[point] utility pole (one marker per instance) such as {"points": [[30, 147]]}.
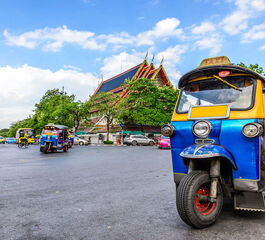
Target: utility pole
{"points": [[62, 105]]}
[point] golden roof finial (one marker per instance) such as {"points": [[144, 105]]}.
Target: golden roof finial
{"points": [[162, 60], [153, 59], [146, 55]]}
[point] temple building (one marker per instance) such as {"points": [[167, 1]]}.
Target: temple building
{"points": [[142, 70]]}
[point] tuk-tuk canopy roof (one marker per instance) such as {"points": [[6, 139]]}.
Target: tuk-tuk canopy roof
{"points": [[56, 126], [212, 66]]}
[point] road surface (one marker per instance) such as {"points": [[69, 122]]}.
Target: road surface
{"points": [[101, 192]]}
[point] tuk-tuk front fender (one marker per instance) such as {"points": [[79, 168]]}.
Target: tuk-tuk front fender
{"points": [[208, 151]]}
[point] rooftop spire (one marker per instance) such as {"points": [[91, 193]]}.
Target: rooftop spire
{"points": [[146, 55], [153, 59], [162, 60]]}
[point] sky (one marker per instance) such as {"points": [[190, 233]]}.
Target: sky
{"points": [[77, 43]]}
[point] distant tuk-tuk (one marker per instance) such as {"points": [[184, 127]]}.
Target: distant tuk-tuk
{"points": [[53, 138], [217, 141], [25, 134]]}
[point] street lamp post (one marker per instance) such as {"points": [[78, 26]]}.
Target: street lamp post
{"points": [[62, 104]]}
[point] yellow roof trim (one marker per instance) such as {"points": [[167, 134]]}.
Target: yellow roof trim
{"points": [[140, 68], [147, 69], [157, 71]]}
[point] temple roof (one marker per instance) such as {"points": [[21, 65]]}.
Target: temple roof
{"points": [[116, 81]]}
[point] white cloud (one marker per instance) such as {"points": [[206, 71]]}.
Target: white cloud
{"points": [[71, 67], [172, 57], [164, 29], [205, 36], [211, 42], [262, 48], [255, 33], [238, 21], [119, 63], [205, 27], [53, 39], [25, 85]]}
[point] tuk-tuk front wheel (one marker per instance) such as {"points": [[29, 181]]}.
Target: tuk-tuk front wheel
{"points": [[193, 200]]}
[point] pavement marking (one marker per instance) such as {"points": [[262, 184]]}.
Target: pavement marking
{"points": [[34, 159]]}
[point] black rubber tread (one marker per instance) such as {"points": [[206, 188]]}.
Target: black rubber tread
{"points": [[134, 143], [180, 201], [185, 204]]}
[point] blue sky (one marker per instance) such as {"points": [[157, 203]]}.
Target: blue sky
{"points": [[47, 44]]}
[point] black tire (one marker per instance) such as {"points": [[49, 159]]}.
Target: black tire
{"points": [[46, 149], [54, 150], [151, 143], [81, 143], [191, 211], [41, 149], [134, 143]]}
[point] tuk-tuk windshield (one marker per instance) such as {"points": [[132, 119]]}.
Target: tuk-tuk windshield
{"points": [[214, 91]]}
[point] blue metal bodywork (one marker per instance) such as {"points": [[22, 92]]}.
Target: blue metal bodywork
{"points": [[53, 139], [207, 151], [229, 142]]}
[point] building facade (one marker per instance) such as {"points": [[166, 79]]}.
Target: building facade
{"points": [[142, 70]]}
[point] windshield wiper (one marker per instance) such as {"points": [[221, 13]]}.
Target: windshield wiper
{"points": [[227, 83]]}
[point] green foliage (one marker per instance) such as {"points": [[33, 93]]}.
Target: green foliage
{"points": [[108, 142], [25, 123], [3, 132], [147, 104], [104, 105], [254, 67], [49, 110]]}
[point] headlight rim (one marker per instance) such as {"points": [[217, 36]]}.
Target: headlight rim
{"points": [[210, 127], [172, 130], [259, 127]]}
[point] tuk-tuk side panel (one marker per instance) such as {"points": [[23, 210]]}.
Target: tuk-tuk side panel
{"points": [[180, 140], [246, 151]]}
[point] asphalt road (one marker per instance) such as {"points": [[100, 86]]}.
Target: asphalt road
{"points": [[101, 192]]}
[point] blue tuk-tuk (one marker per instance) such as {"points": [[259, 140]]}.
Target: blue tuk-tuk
{"points": [[53, 138], [217, 141]]}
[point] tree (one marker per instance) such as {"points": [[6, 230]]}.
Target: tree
{"points": [[25, 123], [50, 110], [254, 67], [147, 104], [3, 132], [104, 104]]}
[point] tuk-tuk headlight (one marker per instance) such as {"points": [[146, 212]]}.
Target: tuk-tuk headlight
{"points": [[168, 130], [202, 128], [252, 130]]}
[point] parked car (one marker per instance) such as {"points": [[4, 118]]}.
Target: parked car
{"points": [[11, 140], [2, 140], [164, 142], [80, 141], [138, 140]]}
